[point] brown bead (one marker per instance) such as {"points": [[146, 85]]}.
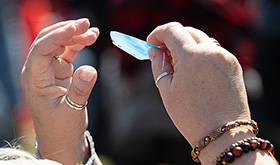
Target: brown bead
{"points": [[263, 145], [240, 142], [195, 151], [237, 151], [254, 144], [254, 138], [232, 146], [206, 140]]}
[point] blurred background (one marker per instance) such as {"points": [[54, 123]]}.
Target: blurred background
{"points": [[127, 119]]}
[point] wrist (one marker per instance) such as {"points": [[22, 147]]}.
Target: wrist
{"points": [[66, 150], [215, 148], [216, 133], [83, 151]]}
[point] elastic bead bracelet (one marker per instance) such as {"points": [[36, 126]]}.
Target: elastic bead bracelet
{"points": [[218, 132], [92, 149], [236, 150], [91, 145]]}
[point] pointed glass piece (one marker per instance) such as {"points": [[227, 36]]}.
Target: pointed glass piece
{"points": [[131, 45]]}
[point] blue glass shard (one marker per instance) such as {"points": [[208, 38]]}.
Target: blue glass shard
{"points": [[131, 45]]}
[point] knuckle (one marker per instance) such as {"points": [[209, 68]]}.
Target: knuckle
{"points": [[173, 24], [227, 59], [79, 92], [225, 56]]}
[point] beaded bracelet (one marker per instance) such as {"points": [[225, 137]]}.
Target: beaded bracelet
{"points": [[244, 146], [91, 145], [92, 149], [218, 132]]}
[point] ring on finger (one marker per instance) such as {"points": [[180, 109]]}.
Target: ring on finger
{"points": [[163, 75], [215, 41], [74, 105], [55, 57]]}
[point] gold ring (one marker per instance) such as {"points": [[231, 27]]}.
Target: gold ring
{"points": [[55, 57], [74, 105], [162, 75]]}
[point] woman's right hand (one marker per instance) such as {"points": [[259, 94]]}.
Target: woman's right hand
{"points": [[48, 77], [206, 89]]}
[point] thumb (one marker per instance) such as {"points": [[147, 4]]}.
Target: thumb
{"points": [[161, 67], [83, 81]]}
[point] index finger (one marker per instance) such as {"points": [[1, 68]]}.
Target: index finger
{"points": [[83, 22], [42, 51], [173, 35]]}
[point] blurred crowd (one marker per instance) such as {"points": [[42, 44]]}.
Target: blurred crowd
{"points": [[127, 118]]}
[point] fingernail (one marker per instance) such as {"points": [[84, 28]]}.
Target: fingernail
{"points": [[86, 75], [82, 20], [151, 53], [96, 29]]}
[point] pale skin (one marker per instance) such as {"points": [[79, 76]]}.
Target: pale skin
{"points": [[205, 91], [46, 81]]}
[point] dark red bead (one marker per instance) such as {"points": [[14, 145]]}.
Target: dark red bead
{"points": [[268, 145], [246, 147], [254, 144], [263, 145], [237, 151]]}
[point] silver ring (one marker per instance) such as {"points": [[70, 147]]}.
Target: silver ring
{"points": [[215, 41], [74, 105], [163, 75]]}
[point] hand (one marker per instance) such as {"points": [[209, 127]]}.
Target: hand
{"points": [[47, 80], [206, 89]]}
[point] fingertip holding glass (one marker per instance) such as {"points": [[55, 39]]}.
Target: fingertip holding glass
{"points": [[131, 45]]}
